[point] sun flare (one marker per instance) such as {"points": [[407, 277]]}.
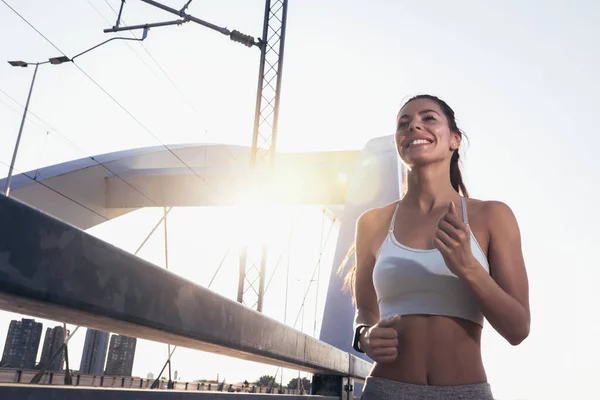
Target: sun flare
{"points": [[256, 217]]}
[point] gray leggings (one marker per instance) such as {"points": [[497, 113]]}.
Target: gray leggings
{"points": [[383, 389]]}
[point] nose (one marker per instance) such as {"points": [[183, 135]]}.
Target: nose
{"points": [[414, 126]]}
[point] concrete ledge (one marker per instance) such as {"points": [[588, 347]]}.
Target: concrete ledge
{"points": [[38, 392], [52, 270]]}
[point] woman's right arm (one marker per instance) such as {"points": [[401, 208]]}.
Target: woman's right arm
{"points": [[380, 340], [367, 309]]}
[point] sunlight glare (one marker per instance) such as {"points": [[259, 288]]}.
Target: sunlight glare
{"points": [[255, 217]]}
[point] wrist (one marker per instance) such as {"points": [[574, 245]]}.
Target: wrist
{"points": [[473, 272]]}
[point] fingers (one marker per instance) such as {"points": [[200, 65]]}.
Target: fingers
{"points": [[454, 220], [449, 230], [444, 238], [385, 352], [377, 332], [389, 322], [451, 220], [451, 208], [438, 244], [383, 340], [377, 343], [385, 355], [384, 333]]}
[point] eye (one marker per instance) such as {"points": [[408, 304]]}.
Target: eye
{"points": [[429, 118], [402, 124]]}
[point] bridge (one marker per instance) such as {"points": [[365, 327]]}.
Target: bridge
{"points": [[51, 268], [90, 191]]}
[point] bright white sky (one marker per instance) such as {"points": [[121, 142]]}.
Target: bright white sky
{"points": [[521, 76]]}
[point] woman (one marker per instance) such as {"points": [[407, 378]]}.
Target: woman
{"points": [[430, 267]]}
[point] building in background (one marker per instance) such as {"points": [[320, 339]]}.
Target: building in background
{"points": [[121, 352], [22, 344], [94, 352], [53, 342]]}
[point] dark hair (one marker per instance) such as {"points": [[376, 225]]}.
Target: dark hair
{"points": [[455, 179]]}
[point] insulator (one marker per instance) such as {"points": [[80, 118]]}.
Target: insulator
{"points": [[242, 38]]}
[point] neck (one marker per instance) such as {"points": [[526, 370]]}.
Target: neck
{"points": [[429, 188]]}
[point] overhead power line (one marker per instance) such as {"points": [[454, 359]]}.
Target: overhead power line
{"points": [[235, 36], [66, 139], [109, 95], [171, 81], [158, 65], [120, 19], [57, 192]]}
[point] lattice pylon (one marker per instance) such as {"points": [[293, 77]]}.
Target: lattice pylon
{"points": [[264, 138]]}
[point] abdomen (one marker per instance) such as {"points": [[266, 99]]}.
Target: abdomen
{"points": [[436, 350]]}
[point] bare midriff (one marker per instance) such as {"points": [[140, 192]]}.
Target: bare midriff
{"points": [[435, 350]]}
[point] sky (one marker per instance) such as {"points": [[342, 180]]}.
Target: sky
{"points": [[521, 76]]}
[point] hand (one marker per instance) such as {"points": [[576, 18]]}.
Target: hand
{"points": [[380, 342], [453, 239]]}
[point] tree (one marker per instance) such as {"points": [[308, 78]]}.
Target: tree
{"points": [[293, 383], [267, 381]]}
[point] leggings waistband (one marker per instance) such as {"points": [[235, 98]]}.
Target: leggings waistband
{"points": [[384, 389]]}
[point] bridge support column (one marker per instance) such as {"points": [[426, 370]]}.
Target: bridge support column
{"points": [[333, 385]]}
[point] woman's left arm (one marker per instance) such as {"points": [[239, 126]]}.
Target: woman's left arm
{"points": [[503, 295]]}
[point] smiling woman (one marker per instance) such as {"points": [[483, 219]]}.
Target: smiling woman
{"points": [[430, 117], [431, 266]]}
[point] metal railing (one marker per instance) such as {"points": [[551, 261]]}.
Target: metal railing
{"points": [[19, 376], [52, 270]]}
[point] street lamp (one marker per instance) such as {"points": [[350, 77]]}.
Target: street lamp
{"points": [[53, 61], [22, 64], [59, 60]]}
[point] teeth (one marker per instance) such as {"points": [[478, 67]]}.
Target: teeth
{"points": [[419, 141]]}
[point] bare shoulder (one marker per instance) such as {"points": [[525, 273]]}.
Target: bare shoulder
{"points": [[371, 228], [375, 217], [493, 214]]}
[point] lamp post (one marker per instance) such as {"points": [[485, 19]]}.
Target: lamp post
{"points": [[21, 64], [54, 61]]}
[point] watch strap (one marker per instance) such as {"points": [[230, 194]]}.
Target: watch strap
{"points": [[356, 339]]}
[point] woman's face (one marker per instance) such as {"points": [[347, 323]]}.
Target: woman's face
{"points": [[423, 135]]}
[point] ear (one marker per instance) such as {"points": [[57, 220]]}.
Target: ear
{"points": [[455, 141]]}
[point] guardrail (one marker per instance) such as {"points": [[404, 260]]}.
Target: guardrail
{"points": [[52, 270], [12, 376]]}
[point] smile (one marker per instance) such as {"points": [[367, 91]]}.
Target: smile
{"points": [[418, 142]]}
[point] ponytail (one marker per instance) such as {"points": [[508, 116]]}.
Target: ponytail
{"points": [[456, 175]]}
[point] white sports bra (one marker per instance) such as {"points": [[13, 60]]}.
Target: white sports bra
{"points": [[413, 281]]}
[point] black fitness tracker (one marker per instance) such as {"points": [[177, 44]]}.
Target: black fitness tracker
{"points": [[356, 340]]}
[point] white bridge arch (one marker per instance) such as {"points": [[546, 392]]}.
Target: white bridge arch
{"points": [[110, 185]]}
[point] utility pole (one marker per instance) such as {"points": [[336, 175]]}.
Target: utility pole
{"points": [[54, 61], [16, 150], [264, 138]]}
